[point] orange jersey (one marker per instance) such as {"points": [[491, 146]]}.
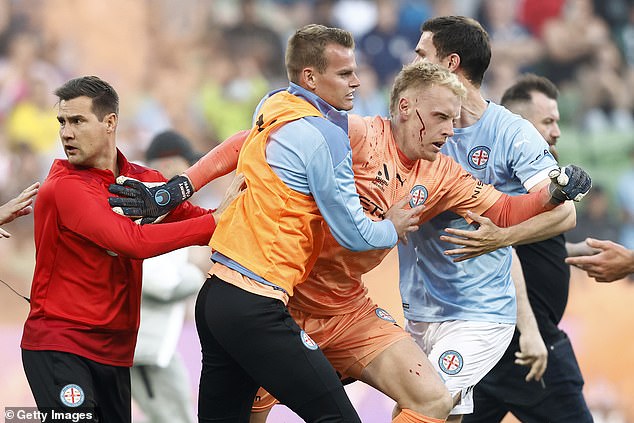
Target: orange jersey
{"points": [[383, 176]]}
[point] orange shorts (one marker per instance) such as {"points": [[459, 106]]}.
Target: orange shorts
{"points": [[349, 341]]}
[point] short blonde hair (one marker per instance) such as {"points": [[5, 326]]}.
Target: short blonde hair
{"points": [[421, 75]]}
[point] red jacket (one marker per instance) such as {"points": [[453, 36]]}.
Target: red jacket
{"points": [[86, 290]]}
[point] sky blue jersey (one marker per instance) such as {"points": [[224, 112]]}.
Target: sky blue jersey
{"points": [[506, 151]]}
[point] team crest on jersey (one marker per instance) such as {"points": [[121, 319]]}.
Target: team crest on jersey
{"points": [[450, 362], [419, 196], [479, 157], [308, 341], [72, 395], [383, 314]]}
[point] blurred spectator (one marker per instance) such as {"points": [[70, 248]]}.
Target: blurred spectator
{"points": [[625, 198], [533, 14], [369, 99], [511, 42], [624, 36], [451, 7], [499, 77], [605, 99], [167, 99], [613, 12], [230, 94], [25, 166], [594, 220], [386, 47], [323, 12], [159, 379], [356, 16], [11, 22], [572, 39], [23, 63], [33, 120], [253, 38], [412, 13]]}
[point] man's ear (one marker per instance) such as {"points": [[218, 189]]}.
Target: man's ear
{"points": [[404, 107], [453, 61], [308, 78], [111, 122]]}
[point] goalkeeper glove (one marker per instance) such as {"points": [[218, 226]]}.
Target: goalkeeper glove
{"points": [[149, 201], [568, 183]]}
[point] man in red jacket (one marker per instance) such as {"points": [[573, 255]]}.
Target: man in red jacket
{"points": [[80, 335]]}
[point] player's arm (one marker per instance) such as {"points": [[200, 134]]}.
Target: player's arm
{"points": [[533, 352], [335, 193], [542, 226], [221, 160], [84, 211], [138, 200], [569, 183], [525, 218]]}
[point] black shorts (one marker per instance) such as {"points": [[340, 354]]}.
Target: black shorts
{"points": [[250, 341], [504, 390], [70, 384]]}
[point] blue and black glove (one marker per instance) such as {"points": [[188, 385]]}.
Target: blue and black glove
{"points": [[149, 202], [568, 183]]}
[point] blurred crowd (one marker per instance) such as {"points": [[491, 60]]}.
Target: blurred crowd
{"points": [[202, 66]]}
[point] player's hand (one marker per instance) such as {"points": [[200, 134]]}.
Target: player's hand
{"points": [[488, 237], [237, 186], [568, 183], [405, 219], [149, 201], [18, 206], [612, 263], [533, 354]]}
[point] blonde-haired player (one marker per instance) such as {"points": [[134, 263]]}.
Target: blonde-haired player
{"points": [[392, 158]]}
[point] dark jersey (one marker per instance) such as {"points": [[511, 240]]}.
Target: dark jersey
{"points": [[547, 282]]}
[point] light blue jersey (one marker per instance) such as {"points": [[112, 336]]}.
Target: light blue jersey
{"points": [[506, 151]]}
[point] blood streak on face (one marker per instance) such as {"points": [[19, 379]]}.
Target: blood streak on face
{"points": [[422, 129]]}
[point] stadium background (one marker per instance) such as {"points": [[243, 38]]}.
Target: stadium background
{"points": [[200, 65]]}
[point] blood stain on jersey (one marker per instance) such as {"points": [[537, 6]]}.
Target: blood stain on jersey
{"points": [[450, 362], [479, 157]]}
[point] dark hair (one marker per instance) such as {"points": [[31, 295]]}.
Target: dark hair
{"points": [[465, 37], [306, 48], [105, 99], [527, 83], [170, 143]]}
